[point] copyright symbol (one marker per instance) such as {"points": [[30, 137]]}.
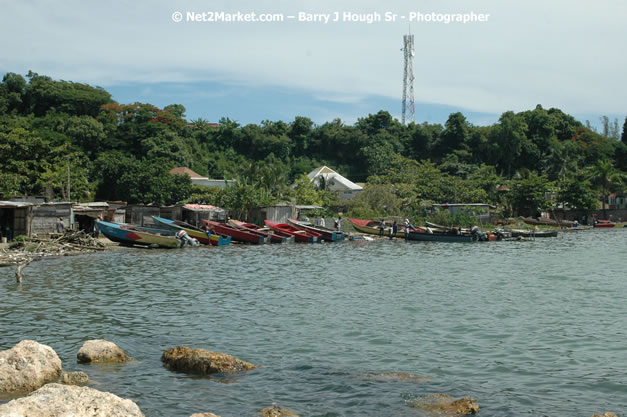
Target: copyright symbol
{"points": [[177, 16]]}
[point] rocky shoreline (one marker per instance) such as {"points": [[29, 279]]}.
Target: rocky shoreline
{"points": [[34, 373]]}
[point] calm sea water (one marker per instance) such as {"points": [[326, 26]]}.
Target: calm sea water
{"points": [[526, 328]]}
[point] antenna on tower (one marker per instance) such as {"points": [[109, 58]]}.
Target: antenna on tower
{"points": [[408, 76]]}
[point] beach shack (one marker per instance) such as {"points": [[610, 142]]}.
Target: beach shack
{"points": [[86, 214], [16, 219], [140, 214], [47, 215]]}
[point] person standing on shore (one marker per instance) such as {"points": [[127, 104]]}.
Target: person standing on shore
{"points": [[382, 228], [407, 226], [60, 226], [394, 230]]}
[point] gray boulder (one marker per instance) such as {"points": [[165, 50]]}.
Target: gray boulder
{"points": [[27, 366], [74, 378], [442, 405], [54, 400], [276, 411], [101, 351], [201, 361]]}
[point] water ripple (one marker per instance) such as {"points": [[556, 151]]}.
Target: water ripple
{"points": [[527, 328]]}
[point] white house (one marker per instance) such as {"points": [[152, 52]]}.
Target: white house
{"points": [[197, 179], [345, 188]]}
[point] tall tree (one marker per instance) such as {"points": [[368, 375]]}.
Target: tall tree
{"points": [[624, 136], [605, 178]]}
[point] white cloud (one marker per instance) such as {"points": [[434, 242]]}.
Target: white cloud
{"points": [[554, 53]]}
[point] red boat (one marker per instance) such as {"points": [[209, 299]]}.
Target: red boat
{"points": [[604, 223], [236, 234], [299, 235], [258, 230], [327, 234]]}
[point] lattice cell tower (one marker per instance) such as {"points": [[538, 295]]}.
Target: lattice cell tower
{"points": [[408, 77]]}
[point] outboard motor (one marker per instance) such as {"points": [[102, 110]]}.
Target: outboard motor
{"points": [[477, 234], [185, 239]]}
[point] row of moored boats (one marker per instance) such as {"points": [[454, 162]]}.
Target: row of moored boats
{"points": [[168, 233]]}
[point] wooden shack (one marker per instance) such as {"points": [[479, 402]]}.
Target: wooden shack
{"points": [[85, 215], [47, 215], [16, 218], [140, 214]]}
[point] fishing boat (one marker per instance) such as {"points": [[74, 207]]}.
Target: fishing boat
{"points": [[546, 222], [373, 227], [604, 224], [236, 234], [261, 231], [302, 236], [439, 237], [533, 233], [195, 232], [128, 235], [327, 234]]}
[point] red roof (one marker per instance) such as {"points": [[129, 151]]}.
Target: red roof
{"points": [[183, 171]]}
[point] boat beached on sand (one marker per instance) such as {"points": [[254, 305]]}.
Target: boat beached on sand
{"points": [[132, 235], [327, 234], [236, 234], [300, 236], [267, 233], [373, 227], [195, 232]]}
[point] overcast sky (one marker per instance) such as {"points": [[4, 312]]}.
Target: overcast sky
{"points": [[563, 54]]}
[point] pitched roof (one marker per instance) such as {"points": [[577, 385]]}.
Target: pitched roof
{"points": [[183, 171]]}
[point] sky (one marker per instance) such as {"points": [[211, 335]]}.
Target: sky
{"points": [[513, 56]]}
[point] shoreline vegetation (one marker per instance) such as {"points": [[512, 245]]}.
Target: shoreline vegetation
{"points": [[70, 141]]}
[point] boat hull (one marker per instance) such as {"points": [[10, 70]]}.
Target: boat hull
{"points": [[300, 236], [253, 228], [436, 237], [128, 235], [327, 234], [533, 233], [372, 227], [213, 239], [237, 235]]}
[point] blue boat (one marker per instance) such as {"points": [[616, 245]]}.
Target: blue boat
{"points": [[131, 235]]}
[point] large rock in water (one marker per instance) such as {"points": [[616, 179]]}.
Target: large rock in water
{"points": [[27, 366], [74, 378], [201, 361], [276, 411], [101, 351], [55, 400], [609, 414], [203, 415], [445, 405]]}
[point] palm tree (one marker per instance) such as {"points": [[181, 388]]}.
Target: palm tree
{"points": [[606, 178]]}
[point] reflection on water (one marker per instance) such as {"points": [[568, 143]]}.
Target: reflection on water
{"points": [[526, 328]]}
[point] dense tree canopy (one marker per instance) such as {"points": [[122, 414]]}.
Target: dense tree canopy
{"points": [[50, 128]]}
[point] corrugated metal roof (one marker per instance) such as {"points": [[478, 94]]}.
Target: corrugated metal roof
{"points": [[16, 204]]}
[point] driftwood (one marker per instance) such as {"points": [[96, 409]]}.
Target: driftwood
{"points": [[18, 271], [70, 243]]}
